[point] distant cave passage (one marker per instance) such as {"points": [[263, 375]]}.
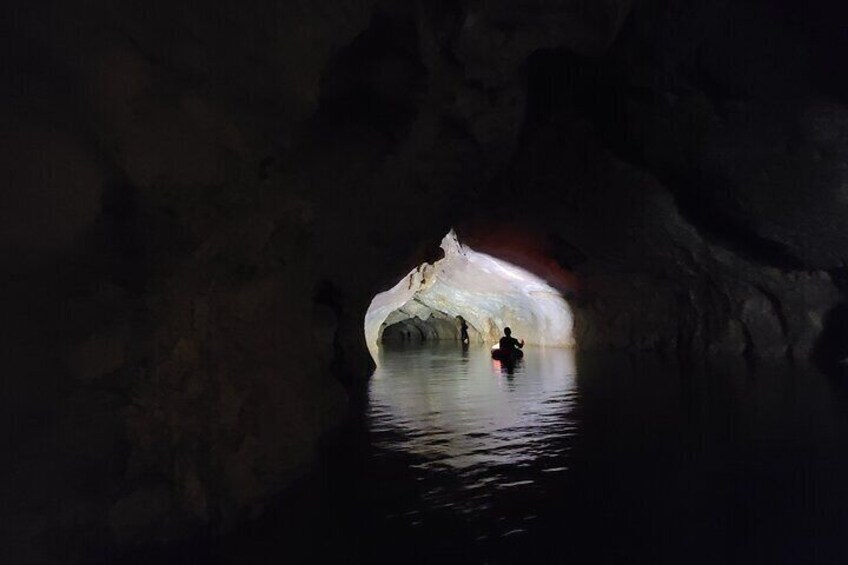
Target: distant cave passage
{"points": [[437, 326], [430, 303]]}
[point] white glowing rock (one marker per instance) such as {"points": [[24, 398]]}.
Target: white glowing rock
{"points": [[489, 293]]}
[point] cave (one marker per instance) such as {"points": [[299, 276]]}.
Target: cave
{"points": [[434, 327], [488, 293], [238, 243]]}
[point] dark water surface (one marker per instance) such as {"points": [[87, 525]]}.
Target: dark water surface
{"points": [[598, 459], [485, 443]]}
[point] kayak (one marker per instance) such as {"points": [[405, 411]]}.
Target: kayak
{"points": [[507, 354]]}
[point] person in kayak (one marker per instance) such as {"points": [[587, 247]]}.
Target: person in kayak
{"points": [[509, 343], [463, 331]]}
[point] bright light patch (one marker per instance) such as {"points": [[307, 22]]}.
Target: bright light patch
{"points": [[489, 293]]}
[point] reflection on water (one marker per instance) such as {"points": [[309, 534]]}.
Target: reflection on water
{"points": [[464, 410], [501, 433], [668, 464], [652, 461]]}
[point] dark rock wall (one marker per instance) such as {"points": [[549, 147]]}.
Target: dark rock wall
{"points": [[416, 330], [201, 199]]}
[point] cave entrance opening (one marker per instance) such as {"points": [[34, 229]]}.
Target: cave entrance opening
{"points": [[487, 293]]}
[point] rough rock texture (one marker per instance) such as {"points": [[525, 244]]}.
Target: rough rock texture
{"points": [[434, 327], [201, 200], [489, 293]]}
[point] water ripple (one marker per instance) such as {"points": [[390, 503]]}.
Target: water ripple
{"points": [[475, 436]]}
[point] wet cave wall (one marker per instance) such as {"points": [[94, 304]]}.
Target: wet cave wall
{"points": [[201, 201]]}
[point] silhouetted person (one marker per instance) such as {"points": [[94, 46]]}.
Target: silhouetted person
{"points": [[463, 331], [508, 343]]}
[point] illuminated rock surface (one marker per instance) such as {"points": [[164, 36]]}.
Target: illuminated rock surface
{"points": [[489, 293]]}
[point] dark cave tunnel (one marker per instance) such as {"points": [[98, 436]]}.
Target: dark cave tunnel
{"points": [[203, 201], [418, 330]]}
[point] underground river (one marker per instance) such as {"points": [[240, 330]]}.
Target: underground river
{"points": [[612, 459]]}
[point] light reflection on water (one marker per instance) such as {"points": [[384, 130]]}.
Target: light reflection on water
{"points": [[460, 461], [497, 432]]}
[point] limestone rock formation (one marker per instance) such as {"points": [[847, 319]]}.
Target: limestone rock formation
{"points": [[490, 294]]}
